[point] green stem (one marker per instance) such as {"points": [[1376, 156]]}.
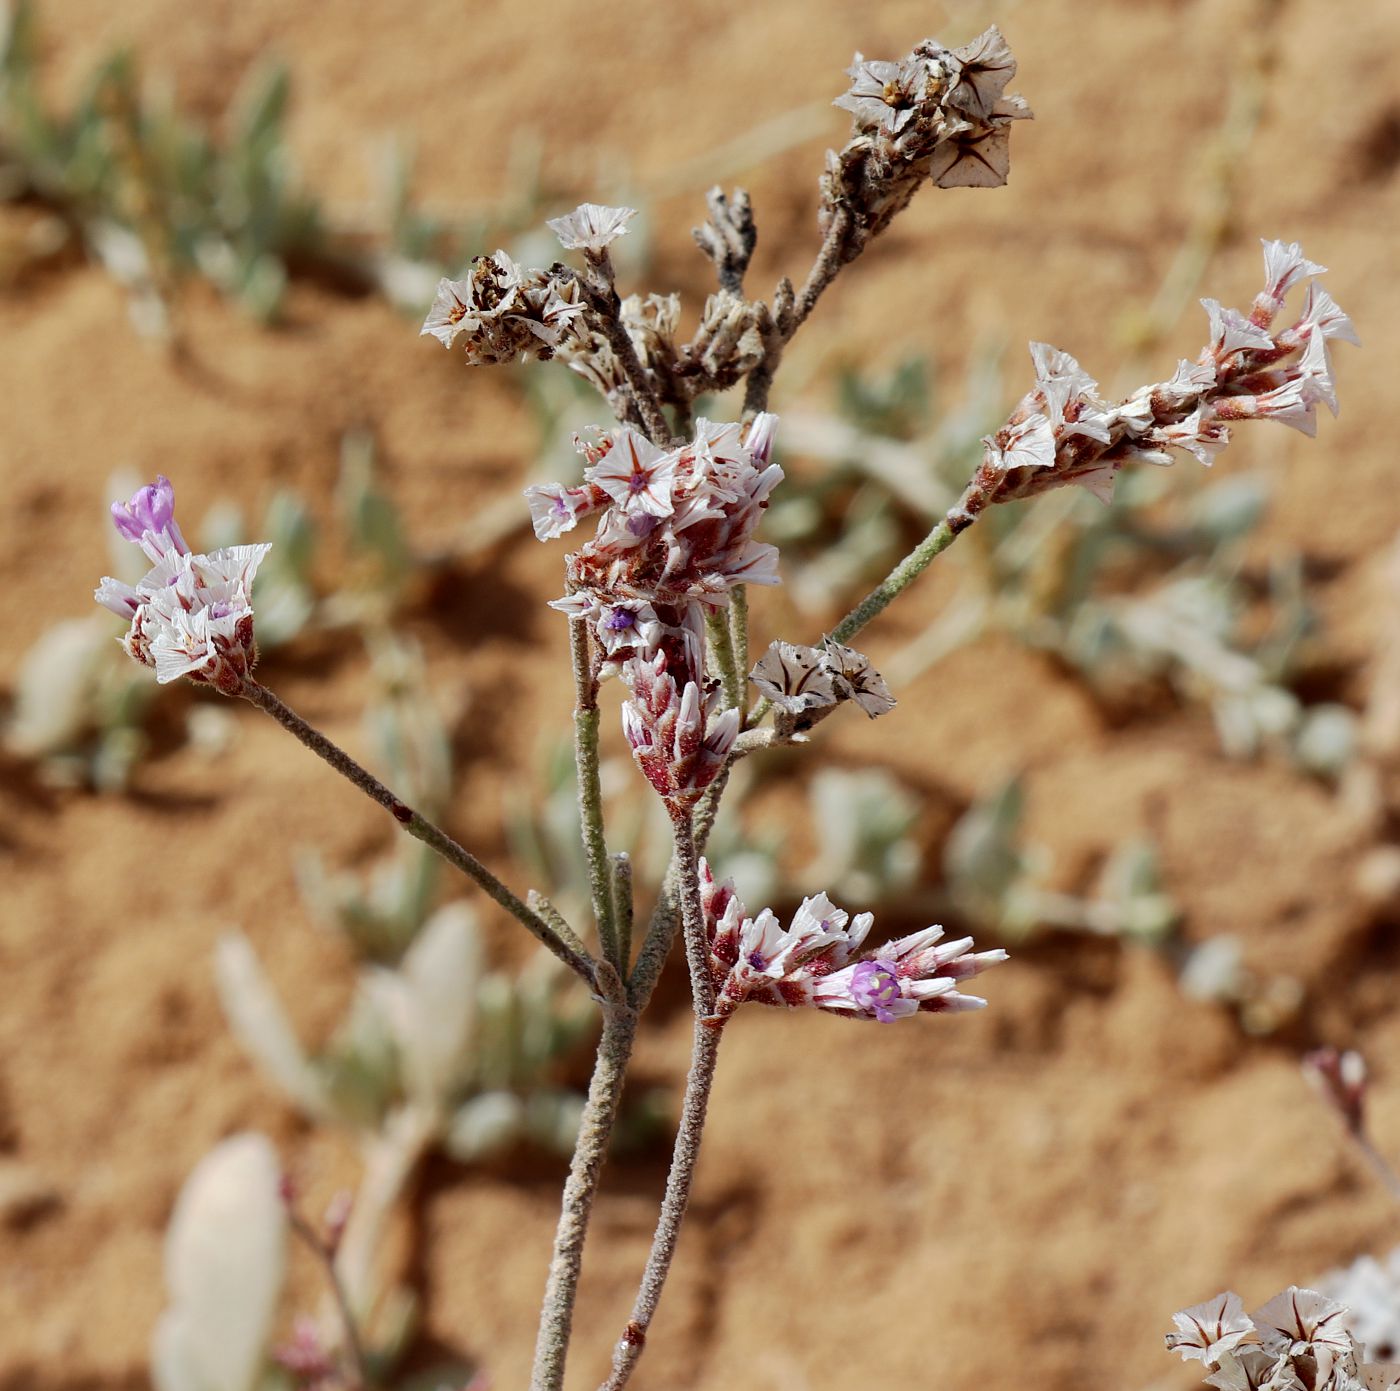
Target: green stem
{"points": [[590, 792], [722, 651], [739, 634], [622, 907]]}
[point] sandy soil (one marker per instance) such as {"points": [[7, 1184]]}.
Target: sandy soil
{"points": [[1019, 1198]]}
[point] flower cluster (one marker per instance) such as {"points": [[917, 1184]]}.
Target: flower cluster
{"points": [[817, 960], [675, 536], [504, 313], [937, 113], [803, 680], [679, 737], [191, 615], [1299, 1341], [1063, 432]]}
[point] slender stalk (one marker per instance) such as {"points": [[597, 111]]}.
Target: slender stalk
{"points": [[1382, 1167], [603, 301], [622, 906], [722, 651], [665, 919], [595, 1131], [959, 517], [698, 1084], [354, 1348], [590, 792], [836, 251], [419, 827], [739, 633]]}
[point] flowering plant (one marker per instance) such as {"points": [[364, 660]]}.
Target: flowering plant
{"points": [[656, 598]]}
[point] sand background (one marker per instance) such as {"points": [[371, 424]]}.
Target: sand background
{"points": [[1017, 1198]]}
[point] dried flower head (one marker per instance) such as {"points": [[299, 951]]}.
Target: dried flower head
{"points": [[503, 313], [191, 615], [801, 680], [937, 114], [1063, 432]]}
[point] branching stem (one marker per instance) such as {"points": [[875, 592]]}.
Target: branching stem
{"points": [[418, 826]]}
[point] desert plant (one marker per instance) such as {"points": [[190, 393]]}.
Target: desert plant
{"points": [[657, 598]]}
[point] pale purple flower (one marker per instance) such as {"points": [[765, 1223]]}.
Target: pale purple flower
{"points": [[148, 520], [814, 961], [1205, 1331], [191, 615], [555, 510], [591, 226]]}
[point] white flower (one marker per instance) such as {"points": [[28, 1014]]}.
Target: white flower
{"points": [[450, 312], [1205, 1331], [591, 226], [883, 95], [794, 678], [855, 679], [636, 475], [1303, 1321], [1321, 312], [984, 67], [1029, 444], [1231, 332], [979, 159], [1284, 266], [1197, 434]]}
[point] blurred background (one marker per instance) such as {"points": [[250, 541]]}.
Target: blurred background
{"points": [[1153, 749]]}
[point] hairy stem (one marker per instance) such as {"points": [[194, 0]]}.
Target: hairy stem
{"points": [[699, 1082], [590, 792], [722, 651], [837, 250], [595, 1131], [418, 826], [606, 318], [739, 636], [622, 907]]}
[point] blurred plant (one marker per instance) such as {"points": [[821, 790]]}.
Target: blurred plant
{"points": [[994, 879], [225, 1255], [658, 598], [158, 199]]}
